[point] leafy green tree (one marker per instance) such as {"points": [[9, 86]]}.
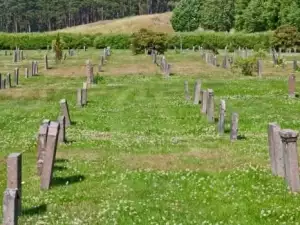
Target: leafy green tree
{"points": [[286, 36], [186, 15], [217, 15], [240, 6], [255, 20], [290, 13]]}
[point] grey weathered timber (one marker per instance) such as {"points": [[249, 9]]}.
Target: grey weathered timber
{"points": [[210, 106], [21, 55], [26, 72], [89, 72], [292, 85], [259, 68], [4, 83], [221, 122], [51, 146], [289, 144], [234, 127], [14, 176], [64, 110], [10, 207], [41, 146], [79, 97], [186, 90], [36, 67], [8, 80], [84, 48], [46, 62], [1, 82], [16, 76], [84, 96], [32, 68], [197, 90], [295, 66], [15, 56], [62, 129], [102, 60], [204, 102], [154, 57], [275, 150], [99, 68], [167, 70], [201, 96]]}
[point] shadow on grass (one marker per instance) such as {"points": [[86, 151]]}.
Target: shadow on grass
{"points": [[241, 137], [61, 181], [59, 168], [61, 160], [35, 210]]}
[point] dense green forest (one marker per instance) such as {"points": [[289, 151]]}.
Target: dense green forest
{"points": [[45, 15], [242, 15]]}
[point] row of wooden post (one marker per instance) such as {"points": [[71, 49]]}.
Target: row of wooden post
{"points": [[50, 134], [161, 61], [205, 98]]}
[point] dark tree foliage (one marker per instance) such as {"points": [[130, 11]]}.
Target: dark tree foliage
{"points": [[45, 15]]}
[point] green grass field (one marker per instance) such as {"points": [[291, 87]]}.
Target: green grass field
{"points": [[139, 153]]}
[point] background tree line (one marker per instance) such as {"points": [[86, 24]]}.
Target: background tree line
{"points": [[45, 15], [242, 15]]}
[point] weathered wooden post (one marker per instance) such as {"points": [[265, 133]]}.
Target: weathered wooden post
{"points": [[234, 127], [186, 90], [259, 68], [51, 146], [62, 129], [292, 85], [14, 177], [10, 207], [46, 62], [197, 90], [295, 66], [210, 106], [26, 72], [275, 150], [16, 76], [89, 72], [84, 93], [41, 145], [204, 102], [8, 78], [289, 144], [221, 122], [79, 97], [64, 111]]}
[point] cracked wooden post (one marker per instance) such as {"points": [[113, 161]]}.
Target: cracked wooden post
{"points": [[62, 129], [64, 111], [221, 122], [234, 127], [10, 207], [51, 146], [32, 68], [16, 76], [14, 176], [210, 106], [201, 96], [41, 145], [204, 102], [79, 97], [292, 85], [186, 90], [197, 90], [289, 144], [1, 81], [89, 72], [275, 150]]}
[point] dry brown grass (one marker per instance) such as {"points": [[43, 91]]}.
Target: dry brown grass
{"points": [[208, 160], [155, 22]]}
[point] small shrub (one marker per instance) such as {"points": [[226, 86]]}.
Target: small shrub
{"points": [[58, 46], [285, 36], [98, 79], [146, 39], [246, 65]]}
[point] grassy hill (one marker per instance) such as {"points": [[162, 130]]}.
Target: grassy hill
{"points": [[155, 22]]}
